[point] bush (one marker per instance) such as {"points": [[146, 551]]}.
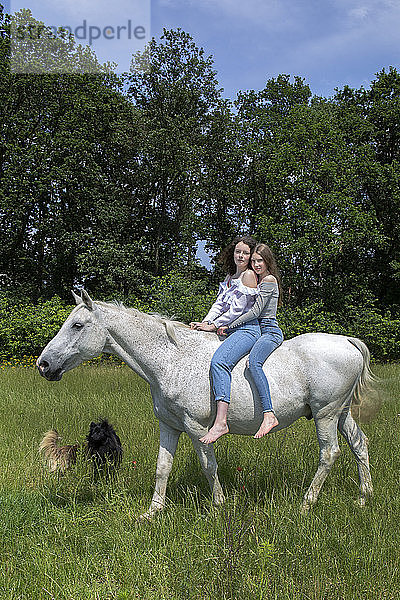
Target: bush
{"points": [[180, 298], [380, 332], [25, 328], [312, 318]]}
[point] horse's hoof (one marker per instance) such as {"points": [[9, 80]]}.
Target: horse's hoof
{"points": [[147, 516], [305, 508]]}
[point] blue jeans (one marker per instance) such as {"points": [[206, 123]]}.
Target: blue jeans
{"points": [[271, 338], [238, 343]]}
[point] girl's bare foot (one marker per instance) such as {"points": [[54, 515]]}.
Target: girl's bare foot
{"points": [[215, 432], [220, 426], [269, 422]]}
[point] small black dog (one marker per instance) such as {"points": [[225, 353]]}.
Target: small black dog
{"points": [[103, 446]]}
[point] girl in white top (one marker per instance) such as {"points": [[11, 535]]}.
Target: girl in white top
{"points": [[264, 309], [235, 297]]}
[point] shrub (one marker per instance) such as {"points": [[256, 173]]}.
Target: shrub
{"points": [[25, 328], [181, 298], [380, 332]]}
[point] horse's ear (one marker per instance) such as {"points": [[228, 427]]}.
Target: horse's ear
{"points": [[86, 299], [77, 298]]}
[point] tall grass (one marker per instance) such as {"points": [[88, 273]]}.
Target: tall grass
{"points": [[70, 538]]}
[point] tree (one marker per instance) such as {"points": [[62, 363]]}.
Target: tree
{"points": [[305, 198], [370, 119], [62, 167], [173, 85]]}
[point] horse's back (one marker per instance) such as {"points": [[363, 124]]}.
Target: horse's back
{"points": [[326, 351], [330, 365], [305, 374]]}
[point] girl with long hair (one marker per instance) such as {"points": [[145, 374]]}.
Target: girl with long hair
{"points": [[236, 296], [264, 310]]}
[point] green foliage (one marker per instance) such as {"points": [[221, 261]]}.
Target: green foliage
{"points": [[64, 173], [37, 49], [379, 332], [25, 328], [312, 318], [305, 193], [181, 298], [174, 88]]}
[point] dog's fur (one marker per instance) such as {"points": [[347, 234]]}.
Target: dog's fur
{"points": [[59, 458], [102, 446]]}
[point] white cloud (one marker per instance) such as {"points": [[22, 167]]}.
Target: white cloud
{"points": [[364, 31], [360, 12]]}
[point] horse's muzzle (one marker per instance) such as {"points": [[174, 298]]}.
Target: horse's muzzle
{"points": [[45, 371]]}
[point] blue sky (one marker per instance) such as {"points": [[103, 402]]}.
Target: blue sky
{"points": [[328, 42]]}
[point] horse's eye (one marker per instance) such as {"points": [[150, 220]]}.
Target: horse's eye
{"points": [[77, 325]]}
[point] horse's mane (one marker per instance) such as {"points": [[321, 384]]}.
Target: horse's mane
{"points": [[167, 322]]}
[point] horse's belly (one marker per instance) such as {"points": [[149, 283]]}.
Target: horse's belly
{"points": [[288, 395]]}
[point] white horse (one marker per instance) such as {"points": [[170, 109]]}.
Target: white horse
{"points": [[314, 375]]}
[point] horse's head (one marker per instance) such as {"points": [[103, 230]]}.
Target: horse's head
{"points": [[82, 336]]}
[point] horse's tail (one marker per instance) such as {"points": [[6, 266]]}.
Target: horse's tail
{"points": [[365, 398]]}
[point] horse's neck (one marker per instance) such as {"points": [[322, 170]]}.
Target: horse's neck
{"points": [[141, 342]]}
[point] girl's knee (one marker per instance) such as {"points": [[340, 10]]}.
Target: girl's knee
{"points": [[218, 363], [254, 365]]}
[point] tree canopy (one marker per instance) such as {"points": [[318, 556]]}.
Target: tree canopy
{"points": [[111, 181]]}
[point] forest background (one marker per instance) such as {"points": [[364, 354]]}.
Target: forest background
{"points": [[111, 181]]}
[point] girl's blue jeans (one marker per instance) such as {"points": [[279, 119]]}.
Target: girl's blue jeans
{"points": [[238, 343], [271, 338]]}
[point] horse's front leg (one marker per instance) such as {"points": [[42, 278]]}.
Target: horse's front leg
{"points": [[168, 442], [206, 455]]}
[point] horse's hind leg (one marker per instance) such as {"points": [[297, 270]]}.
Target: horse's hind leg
{"points": [[329, 451], [206, 455], [168, 443], [358, 443]]}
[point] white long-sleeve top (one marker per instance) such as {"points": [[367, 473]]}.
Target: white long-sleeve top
{"points": [[234, 299]]}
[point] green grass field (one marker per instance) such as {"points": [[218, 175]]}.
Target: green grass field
{"points": [[71, 538]]}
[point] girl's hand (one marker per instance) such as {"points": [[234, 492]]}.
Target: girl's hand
{"points": [[202, 326], [222, 330], [206, 327]]}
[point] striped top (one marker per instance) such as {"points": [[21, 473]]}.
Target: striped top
{"points": [[265, 305]]}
